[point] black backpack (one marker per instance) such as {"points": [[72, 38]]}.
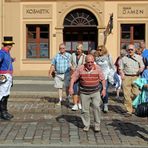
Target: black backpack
{"points": [[142, 110]]}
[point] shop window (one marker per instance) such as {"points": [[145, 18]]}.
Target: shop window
{"points": [[37, 37], [132, 33]]}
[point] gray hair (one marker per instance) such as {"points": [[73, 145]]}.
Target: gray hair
{"points": [[123, 52]]}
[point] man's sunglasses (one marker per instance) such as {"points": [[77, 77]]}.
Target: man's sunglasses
{"points": [[90, 62], [99, 49], [131, 49]]}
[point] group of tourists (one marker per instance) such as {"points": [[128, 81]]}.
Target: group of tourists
{"points": [[87, 78]]}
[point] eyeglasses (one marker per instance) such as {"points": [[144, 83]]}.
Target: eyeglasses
{"points": [[99, 49], [90, 62], [131, 49], [62, 48]]}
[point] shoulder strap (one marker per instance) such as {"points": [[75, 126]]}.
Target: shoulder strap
{"points": [[135, 60], [83, 59]]}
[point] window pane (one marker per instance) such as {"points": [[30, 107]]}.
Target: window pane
{"points": [[37, 41], [44, 50], [31, 52], [85, 46], [139, 31], [68, 46]]}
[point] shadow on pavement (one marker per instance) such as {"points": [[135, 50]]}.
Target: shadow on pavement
{"points": [[130, 129], [76, 120], [50, 99], [117, 109]]}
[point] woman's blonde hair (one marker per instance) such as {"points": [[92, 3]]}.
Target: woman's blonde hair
{"points": [[79, 46], [103, 50]]}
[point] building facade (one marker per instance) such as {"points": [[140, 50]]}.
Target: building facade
{"points": [[39, 26]]}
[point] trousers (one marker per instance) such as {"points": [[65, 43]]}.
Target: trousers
{"points": [[95, 99]]}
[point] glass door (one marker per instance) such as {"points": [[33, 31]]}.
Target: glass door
{"points": [[87, 37]]}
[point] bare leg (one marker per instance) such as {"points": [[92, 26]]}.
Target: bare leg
{"points": [[60, 91]]}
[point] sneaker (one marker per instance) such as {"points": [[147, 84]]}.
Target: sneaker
{"points": [[97, 128], [86, 129], [117, 97], [79, 106], [59, 103], [75, 107], [105, 108]]}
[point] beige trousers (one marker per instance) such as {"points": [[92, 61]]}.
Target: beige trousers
{"points": [[95, 99], [130, 91]]}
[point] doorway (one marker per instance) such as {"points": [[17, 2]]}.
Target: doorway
{"points": [[80, 26]]}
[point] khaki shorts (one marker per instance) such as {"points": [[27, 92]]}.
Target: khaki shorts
{"points": [[62, 80]]}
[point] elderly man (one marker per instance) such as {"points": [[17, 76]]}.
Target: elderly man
{"points": [[6, 71], [61, 66], [89, 75], [130, 68]]}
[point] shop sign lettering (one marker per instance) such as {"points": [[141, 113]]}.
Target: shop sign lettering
{"points": [[132, 10], [129, 10], [37, 11]]}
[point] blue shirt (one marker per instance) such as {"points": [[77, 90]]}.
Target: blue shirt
{"points": [[5, 62], [145, 53], [62, 63]]}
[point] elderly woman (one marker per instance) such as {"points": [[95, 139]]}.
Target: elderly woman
{"points": [[77, 59], [123, 53], [104, 60]]}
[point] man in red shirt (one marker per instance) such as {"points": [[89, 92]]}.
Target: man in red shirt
{"points": [[90, 76]]}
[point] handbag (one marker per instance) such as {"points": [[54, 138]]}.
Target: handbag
{"points": [[53, 74], [3, 79], [142, 110]]}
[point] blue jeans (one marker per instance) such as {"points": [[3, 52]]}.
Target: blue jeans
{"points": [[76, 88]]}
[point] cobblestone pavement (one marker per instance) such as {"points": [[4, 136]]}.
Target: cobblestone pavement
{"points": [[40, 122]]}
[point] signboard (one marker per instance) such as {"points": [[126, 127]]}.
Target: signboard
{"points": [[132, 10], [37, 11]]}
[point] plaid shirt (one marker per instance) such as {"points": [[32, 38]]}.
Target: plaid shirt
{"points": [[132, 65], [62, 63]]}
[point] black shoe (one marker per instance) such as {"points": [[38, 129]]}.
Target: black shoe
{"points": [[5, 116], [10, 115]]}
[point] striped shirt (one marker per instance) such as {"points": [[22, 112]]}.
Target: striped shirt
{"points": [[89, 80]]}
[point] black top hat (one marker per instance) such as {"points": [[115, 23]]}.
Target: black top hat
{"points": [[8, 40]]}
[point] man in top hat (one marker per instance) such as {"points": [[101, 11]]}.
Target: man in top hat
{"points": [[6, 70]]}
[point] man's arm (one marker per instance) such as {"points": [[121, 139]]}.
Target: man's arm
{"points": [[121, 72], [103, 93]]}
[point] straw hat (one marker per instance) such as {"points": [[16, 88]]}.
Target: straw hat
{"points": [[8, 40]]}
